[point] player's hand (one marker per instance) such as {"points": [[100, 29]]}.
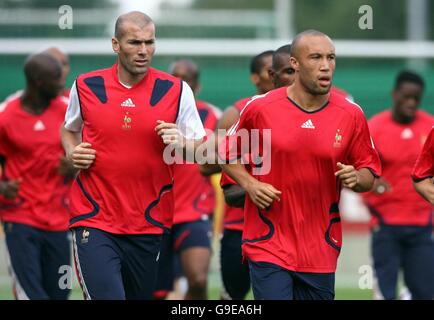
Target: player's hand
{"points": [[262, 194], [9, 189], [381, 186], [170, 134], [348, 175], [66, 168], [82, 156]]}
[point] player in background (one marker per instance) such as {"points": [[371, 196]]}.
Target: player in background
{"points": [[281, 72], [320, 143], [401, 221], [64, 62], [121, 127], [423, 171], [235, 274], [33, 185], [188, 245]]}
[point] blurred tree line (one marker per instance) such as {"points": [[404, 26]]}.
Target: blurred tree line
{"points": [[338, 18]]}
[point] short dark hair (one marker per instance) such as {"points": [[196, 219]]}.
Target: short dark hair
{"points": [[257, 61], [283, 50], [408, 76]]}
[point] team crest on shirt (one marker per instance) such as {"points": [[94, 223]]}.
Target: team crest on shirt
{"points": [[127, 121], [39, 126], [85, 236], [338, 139], [407, 133]]}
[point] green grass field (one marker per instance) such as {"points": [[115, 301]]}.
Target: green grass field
{"points": [[341, 294]]}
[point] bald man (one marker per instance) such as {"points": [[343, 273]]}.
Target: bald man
{"points": [[33, 186], [63, 59], [319, 144], [281, 73], [117, 126]]}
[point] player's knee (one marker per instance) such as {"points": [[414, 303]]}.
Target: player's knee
{"points": [[198, 281]]}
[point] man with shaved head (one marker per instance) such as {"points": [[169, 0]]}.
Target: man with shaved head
{"points": [[117, 126], [281, 72], [319, 143], [33, 188], [63, 59]]}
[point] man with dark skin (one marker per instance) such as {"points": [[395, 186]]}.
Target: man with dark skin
{"points": [[63, 59], [401, 223], [281, 72], [33, 189], [291, 241]]}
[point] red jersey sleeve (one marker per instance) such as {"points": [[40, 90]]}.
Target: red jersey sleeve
{"points": [[233, 147], [424, 167], [362, 153]]}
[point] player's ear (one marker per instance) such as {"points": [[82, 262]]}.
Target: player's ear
{"points": [[254, 78], [294, 63], [115, 45]]}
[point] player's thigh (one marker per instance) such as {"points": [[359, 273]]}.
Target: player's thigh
{"points": [[56, 260], [140, 265], [419, 263], [387, 258], [386, 251], [271, 282], [97, 258], [314, 286], [23, 246], [165, 274], [192, 234], [235, 273]]}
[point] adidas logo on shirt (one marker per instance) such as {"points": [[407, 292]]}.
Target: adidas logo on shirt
{"points": [[39, 126], [308, 125], [128, 103]]}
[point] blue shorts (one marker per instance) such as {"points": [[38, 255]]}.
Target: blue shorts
{"points": [[272, 282], [37, 259], [116, 267], [182, 237], [235, 274], [410, 248]]}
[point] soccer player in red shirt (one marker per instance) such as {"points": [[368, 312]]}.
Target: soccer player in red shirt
{"points": [[281, 72], [117, 126], [319, 143], [401, 221], [33, 185], [63, 59], [189, 240], [423, 171], [235, 274]]}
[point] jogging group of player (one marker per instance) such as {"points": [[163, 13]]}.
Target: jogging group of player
{"points": [[87, 165]]}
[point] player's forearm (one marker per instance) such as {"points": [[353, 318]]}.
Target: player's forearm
{"points": [[239, 174], [69, 140], [426, 189], [365, 180], [189, 149]]}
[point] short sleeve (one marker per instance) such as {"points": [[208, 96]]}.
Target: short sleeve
{"points": [[424, 166], [362, 152], [233, 147], [188, 121], [73, 118]]}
